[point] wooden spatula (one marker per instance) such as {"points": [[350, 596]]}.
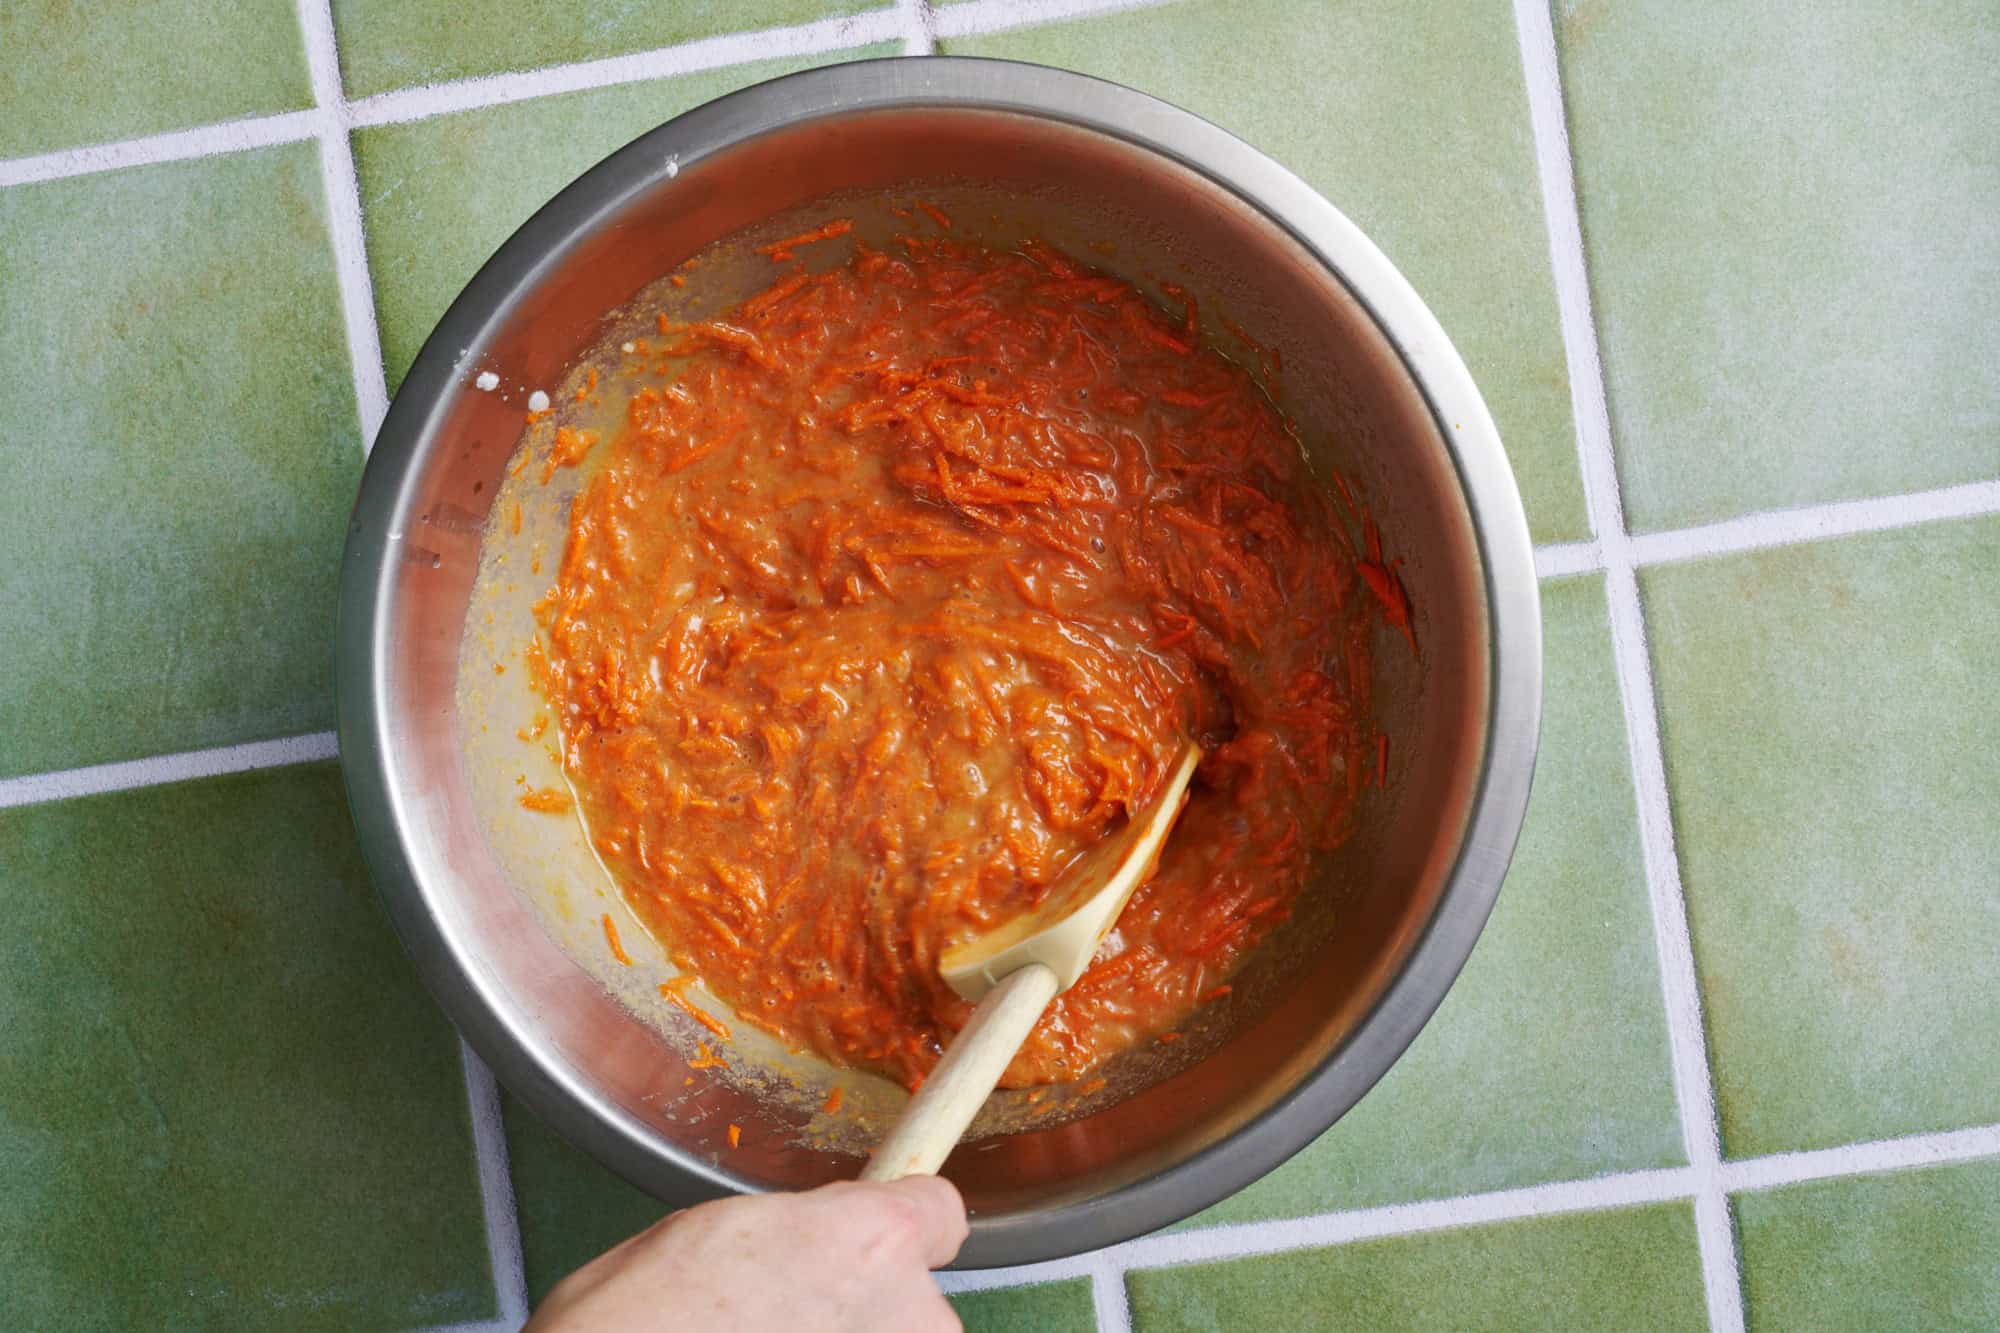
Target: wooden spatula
{"points": [[1014, 972]]}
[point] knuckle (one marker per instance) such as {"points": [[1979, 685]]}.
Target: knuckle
{"points": [[892, 1229]]}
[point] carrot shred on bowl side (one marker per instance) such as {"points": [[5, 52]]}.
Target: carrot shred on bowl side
{"points": [[898, 586], [611, 938]]}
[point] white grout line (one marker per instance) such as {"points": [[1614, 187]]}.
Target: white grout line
{"points": [[343, 205], [918, 39], [36, 788], [1693, 1087], [1248, 1239], [1572, 282], [1565, 558], [230, 136], [364, 348], [806, 39], [496, 1190], [1782, 527], [1108, 1298], [1627, 1189], [983, 16], [907, 23], [1914, 1152]]}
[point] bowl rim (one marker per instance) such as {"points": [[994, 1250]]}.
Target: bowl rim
{"points": [[1499, 527]]}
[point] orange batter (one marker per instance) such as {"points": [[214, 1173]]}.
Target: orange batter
{"points": [[899, 586]]}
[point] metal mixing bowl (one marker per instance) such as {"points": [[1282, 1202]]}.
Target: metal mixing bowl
{"points": [[1378, 392]]}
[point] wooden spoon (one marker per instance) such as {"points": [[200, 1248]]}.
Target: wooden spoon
{"points": [[1014, 972]]}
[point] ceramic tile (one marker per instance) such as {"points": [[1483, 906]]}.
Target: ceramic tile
{"points": [[104, 72], [388, 44], [181, 439], [442, 195], [1413, 120], [1548, 1059], [1612, 1270], [225, 1099], [1910, 1250], [571, 1209], [1828, 717], [1049, 1307], [1788, 213]]}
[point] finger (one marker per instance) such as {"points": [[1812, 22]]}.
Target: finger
{"points": [[940, 1211]]}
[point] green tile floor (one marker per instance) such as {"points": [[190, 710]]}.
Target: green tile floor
{"points": [[1725, 1054]]}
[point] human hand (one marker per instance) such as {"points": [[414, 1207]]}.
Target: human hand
{"points": [[853, 1256]]}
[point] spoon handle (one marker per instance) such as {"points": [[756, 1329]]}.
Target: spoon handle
{"points": [[958, 1087]]}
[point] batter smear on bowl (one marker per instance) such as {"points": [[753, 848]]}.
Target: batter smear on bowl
{"points": [[899, 585]]}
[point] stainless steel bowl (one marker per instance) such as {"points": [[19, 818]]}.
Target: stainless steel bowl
{"points": [[1378, 391]]}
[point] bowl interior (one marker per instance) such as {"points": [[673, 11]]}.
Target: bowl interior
{"points": [[515, 901]]}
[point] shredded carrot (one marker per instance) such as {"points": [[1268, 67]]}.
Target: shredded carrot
{"points": [[569, 449], [895, 591], [514, 519], [781, 251], [832, 1103], [672, 992], [935, 214], [1383, 581], [735, 1135], [546, 800], [611, 938]]}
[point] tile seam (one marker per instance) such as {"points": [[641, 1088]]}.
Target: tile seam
{"points": [[424, 101], [496, 1189], [1623, 1189], [215, 139], [989, 16], [1109, 1303], [1680, 991], [157, 770], [1911, 1152], [345, 227], [1813, 523], [1562, 559], [820, 37], [1242, 1240], [919, 22]]}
